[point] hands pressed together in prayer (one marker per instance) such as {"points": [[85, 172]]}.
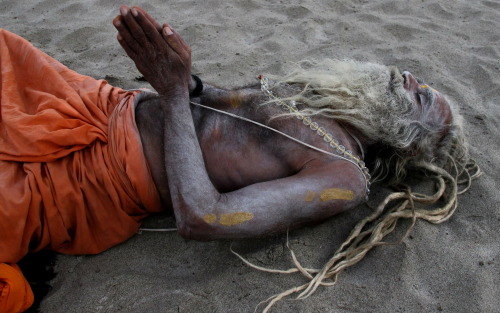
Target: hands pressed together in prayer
{"points": [[238, 188], [159, 53]]}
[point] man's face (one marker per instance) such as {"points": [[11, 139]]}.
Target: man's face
{"points": [[434, 108]]}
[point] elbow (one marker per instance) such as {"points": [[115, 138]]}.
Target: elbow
{"points": [[197, 224], [189, 232], [195, 228]]}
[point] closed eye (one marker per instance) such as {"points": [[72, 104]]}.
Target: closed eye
{"points": [[423, 98], [420, 98], [417, 98]]}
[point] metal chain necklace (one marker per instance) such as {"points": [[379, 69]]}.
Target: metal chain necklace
{"points": [[321, 131]]}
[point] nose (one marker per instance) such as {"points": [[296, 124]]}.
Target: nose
{"points": [[410, 82]]}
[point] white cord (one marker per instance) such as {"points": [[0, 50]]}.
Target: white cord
{"points": [[156, 230], [276, 131]]}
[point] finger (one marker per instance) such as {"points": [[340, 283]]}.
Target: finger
{"points": [[130, 52], [124, 33], [148, 28], [135, 30], [175, 42], [149, 17], [181, 41]]}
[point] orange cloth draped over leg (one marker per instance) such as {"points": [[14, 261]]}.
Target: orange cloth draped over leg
{"points": [[15, 292], [73, 176]]}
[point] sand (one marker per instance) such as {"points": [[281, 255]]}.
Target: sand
{"points": [[454, 45]]}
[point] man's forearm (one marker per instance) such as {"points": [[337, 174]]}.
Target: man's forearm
{"points": [[190, 187]]}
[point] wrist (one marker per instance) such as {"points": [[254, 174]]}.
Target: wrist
{"points": [[173, 91]]}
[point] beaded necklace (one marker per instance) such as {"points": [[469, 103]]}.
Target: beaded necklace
{"points": [[321, 131]]}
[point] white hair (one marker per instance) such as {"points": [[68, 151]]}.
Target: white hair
{"points": [[371, 98]]}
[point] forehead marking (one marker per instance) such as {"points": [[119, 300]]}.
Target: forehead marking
{"points": [[425, 87]]}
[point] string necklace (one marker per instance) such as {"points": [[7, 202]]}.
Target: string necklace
{"points": [[343, 153]]}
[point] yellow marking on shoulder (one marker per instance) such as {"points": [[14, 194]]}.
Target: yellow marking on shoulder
{"points": [[235, 99], [336, 194], [310, 195], [231, 219], [209, 218]]}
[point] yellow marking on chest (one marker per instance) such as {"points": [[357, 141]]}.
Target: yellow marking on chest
{"points": [[336, 194], [310, 195], [231, 219], [210, 218]]}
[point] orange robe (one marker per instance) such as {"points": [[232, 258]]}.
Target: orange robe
{"points": [[15, 292], [73, 176]]}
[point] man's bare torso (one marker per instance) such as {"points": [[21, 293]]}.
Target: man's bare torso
{"points": [[225, 178], [237, 153]]}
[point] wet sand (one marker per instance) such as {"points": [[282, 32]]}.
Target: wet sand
{"points": [[451, 267]]}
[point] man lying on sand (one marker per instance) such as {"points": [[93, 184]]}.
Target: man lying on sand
{"points": [[82, 162]]}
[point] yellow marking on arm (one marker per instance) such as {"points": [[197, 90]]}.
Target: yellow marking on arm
{"points": [[310, 195], [231, 219], [209, 218], [336, 194]]}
